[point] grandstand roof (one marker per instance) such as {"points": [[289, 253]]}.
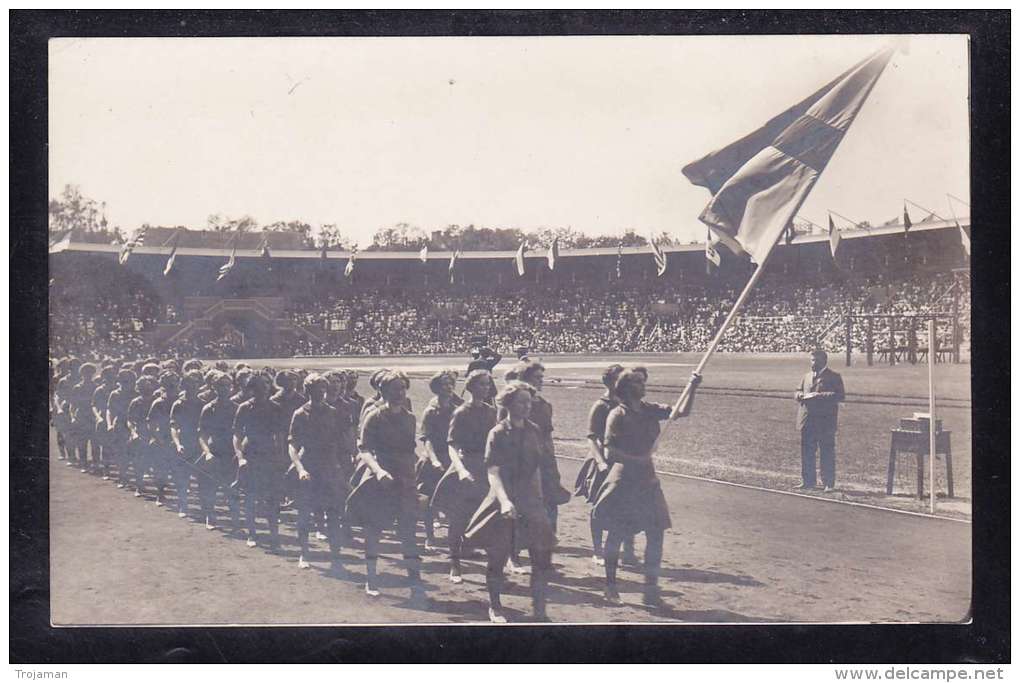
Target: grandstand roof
{"points": [[158, 242]]}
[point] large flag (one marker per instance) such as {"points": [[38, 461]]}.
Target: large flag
{"points": [[129, 246], [619, 261], [711, 254], [554, 253], [760, 181], [453, 264], [907, 225], [173, 255], [229, 265], [660, 258], [424, 254], [349, 270], [519, 258], [833, 237]]}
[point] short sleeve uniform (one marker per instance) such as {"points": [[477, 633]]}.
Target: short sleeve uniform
{"points": [[435, 428], [184, 416], [256, 424], [117, 407], [313, 428], [216, 424], [137, 411], [159, 420], [469, 429], [516, 451], [589, 478], [630, 499], [389, 435], [100, 400]]}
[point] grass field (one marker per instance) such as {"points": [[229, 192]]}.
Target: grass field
{"points": [[742, 428]]}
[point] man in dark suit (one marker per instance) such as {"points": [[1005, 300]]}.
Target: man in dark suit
{"points": [[818, 398]]}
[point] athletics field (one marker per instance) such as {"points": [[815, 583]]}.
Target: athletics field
{"points": [[744, 547]]}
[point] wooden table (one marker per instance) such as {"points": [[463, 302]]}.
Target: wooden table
{"points": [[917, 443]]}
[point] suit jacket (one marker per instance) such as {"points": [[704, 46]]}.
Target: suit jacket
{"points": [[821, 412]]}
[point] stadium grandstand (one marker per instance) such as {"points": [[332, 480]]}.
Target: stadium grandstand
{"points": [[283, 298]]}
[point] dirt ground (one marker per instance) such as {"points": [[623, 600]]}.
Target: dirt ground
{"points": [[734, 555]]}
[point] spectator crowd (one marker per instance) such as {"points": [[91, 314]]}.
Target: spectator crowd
{"points": [[779, 316]]}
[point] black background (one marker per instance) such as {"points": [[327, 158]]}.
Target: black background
{"points": [[986, 639]]}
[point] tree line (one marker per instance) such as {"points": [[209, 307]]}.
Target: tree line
{"points": [[87, 217]]}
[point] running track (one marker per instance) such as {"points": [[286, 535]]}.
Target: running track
{"points": [[734, 555]]}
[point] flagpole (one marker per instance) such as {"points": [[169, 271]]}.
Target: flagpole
{"points": [[722, 330], [915, 204], [932, 346]]}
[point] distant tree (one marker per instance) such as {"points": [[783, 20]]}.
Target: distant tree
{"points": [[568, 237], [629, 238], [400, 237], [298, 227], [74, 211], [330, 235], [218, 223]]}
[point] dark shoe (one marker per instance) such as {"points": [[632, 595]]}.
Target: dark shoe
{"points": [[612, 596], [419, 597], [652, 597], [630, 560], [803, 487]]}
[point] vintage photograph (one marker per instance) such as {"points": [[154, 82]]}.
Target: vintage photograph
{"points": [[509, 330]]}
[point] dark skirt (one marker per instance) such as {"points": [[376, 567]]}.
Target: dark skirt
{"points": [[426, 477], [498, 535], [262, 476], [221, 470], [589, 480], [326, 490], [453, 496], [630, 500], [379, 504], [553, 492]]}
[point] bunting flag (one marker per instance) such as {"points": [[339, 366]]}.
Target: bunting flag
{"points": [[519, 258], [453, 264], [906, 220], [660, 258], [173, 255], [964, 234], [759, 182], [554, 253], [264, 248], [325, 251], [349, 270], [790, 233], [711, 254], [834, 237], [129, 246], [229, 265], [964, 238], [619, 261], [424, 254]]}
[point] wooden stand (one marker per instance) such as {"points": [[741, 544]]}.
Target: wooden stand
{"points": [[904, 441]]}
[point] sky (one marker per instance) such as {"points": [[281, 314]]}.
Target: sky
{"points": [[532, 132]]}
